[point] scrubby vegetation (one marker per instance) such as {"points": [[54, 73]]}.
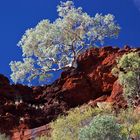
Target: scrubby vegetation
{"points": [[130, 120], [102, 127], [67, 127], [128, 73], [43, 138], [87, 123], [4, 137]]}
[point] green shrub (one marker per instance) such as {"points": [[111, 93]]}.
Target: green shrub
{"points": [[130, 123], [87, 123], [67, 127], [136, 131], [4, 137], [102, 127], [128, 72], [43, 138]]}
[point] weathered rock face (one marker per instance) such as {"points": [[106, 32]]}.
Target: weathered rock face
{"points": [[23, 107], [116, 95]]}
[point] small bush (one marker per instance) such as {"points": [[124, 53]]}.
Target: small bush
{"points": [[102, 127], [128, 72], [67, 127], [136, 131], [4, 137], [130, 123]]}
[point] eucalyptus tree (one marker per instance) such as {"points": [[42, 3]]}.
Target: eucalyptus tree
{"points": [[53, 46]]}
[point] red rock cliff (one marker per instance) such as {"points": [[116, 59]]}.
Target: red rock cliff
{"points": [[22, 107]]}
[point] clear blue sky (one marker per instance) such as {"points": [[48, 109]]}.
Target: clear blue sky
{"points": [[18, 15]]}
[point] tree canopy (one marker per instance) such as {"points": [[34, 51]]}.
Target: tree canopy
{"points": [[53, 46]]}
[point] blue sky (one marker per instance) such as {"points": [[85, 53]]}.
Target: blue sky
{"points": [[18, 15]]}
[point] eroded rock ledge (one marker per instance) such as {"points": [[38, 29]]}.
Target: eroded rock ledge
{"points": [[23, 107]]}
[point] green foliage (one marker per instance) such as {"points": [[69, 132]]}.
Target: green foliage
{"points": [[53, 46], [43, 138], [99, 123], [128, 72], [136, 130], [102, 127], [4, 137], [130, 123], [67, 127]]}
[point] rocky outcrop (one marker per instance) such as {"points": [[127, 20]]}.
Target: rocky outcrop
{"points": [[32, 133], [23, 107]]}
